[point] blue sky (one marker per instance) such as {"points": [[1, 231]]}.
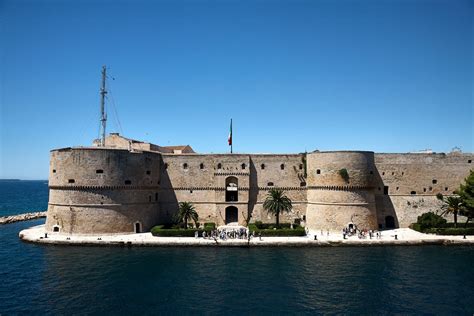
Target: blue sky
{"points": [[386, 76]]}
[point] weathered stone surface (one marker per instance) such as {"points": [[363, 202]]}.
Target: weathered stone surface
{"points": [[113, 190]]}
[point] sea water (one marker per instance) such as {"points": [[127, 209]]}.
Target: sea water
{"points": [[39, 279]]}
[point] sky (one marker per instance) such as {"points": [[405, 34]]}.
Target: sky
{"points": [[295, 76]]}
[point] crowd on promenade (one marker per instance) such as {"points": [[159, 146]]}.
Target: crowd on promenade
{"points": [[224, 234]]}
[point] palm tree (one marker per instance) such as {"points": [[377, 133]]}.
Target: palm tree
{"points": [[277, 202], [186, 212], [451, 204]]}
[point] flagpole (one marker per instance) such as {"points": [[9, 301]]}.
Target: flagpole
{"points": [[231, 136]]}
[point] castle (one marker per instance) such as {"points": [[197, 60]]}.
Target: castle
{"points": [[128, 186]]}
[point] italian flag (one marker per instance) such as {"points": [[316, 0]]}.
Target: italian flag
{"points": [[229, 140]]}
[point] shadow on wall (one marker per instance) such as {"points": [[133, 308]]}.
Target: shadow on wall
{"points": [[386, 215], [168, 201], [253, 189]]}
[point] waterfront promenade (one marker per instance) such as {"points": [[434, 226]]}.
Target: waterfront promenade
{"points": [[405, 236]]}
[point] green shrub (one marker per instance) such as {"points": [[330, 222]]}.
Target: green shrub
{"points": [[281, 232], [450, 231], [210, 226], [430, 220], [174, 232], [259, 224], [344, 174]]}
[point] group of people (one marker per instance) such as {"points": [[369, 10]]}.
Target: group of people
{"points": [[361, 233], [224, 234]]}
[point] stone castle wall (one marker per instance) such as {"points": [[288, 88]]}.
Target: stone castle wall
{"points": [[101, 191], [335, 201], [106, 190], [407, 184]]}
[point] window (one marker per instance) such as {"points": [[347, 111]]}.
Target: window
{"points": [[413, 192], [424, 189], [435, 181], [99, 171], [270, 184], [282, 166], [301, 166], [397, 188], [190, 191], [302, 184], [403, 173], [469, 161], [128, 182], [431, 189], [262, 166], [243, 166], [219, 166], [71, 181], [185, 166], [371, 172], [383, 173], [148, 172], [201, 166], [446, 188], [156, 196], [149, 198], [393, 173], [54, 170], [318, 171]]}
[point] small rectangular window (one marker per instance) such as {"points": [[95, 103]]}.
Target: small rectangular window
{"points": [[99, 171], [128, 182], [148, 172], [435, 181], [71, 181]]}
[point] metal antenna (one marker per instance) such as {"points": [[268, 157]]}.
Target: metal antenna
{"points": [[103, 118]]}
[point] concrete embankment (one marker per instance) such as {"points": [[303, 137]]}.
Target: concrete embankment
{"points": [[21, 217], [405, 237]]}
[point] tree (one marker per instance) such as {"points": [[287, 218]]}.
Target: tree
{"points": [[186, 212], [277, 202], [451, 205], [466, 194]]}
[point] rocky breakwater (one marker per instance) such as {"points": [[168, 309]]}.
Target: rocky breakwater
{"points": [[21, 217]]}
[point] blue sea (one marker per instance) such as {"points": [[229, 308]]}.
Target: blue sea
{"points": [[52, 280]]}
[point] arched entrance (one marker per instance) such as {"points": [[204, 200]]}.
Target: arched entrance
{"points": [[138, 228], [389, 222], [231, 215]]}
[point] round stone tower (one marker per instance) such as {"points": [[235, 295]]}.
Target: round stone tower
{"points": [[341, 190], [102, 191]]}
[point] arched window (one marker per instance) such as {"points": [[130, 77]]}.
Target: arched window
{"points": [[282, 166], [201, 166], [185, 166], [219, 166], [413, 192], [318, 171], [243, 166], [231, 189], [262, 166]]}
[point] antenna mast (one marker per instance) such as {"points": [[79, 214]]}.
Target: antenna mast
{"points": [[103, 117]]}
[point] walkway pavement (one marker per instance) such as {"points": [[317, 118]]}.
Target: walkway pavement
{"points": [[405, 236]]}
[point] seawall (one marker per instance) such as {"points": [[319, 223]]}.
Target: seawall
{"points": [[21, 217]]}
